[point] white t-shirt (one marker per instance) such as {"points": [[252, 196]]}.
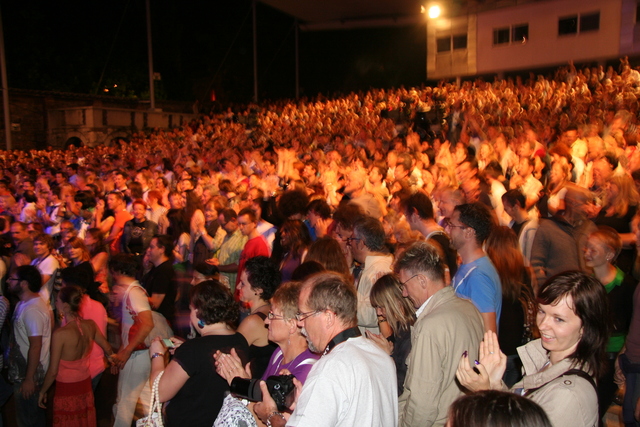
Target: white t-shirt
{"points": [[32, 319], [135, 302], [46, 267], [354, 385]]}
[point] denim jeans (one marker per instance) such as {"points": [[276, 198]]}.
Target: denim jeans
{"points": [[632, 393], [28, 413]]}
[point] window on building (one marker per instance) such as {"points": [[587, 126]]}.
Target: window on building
{"points": [[520, 33], [501, 36], [568, 25], [444, 44], [589, 22], [460, 41]]}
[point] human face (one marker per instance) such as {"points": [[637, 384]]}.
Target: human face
{"points": [[40, 249], [456, 230], [18, 233], [154, 251], [284, 238], [279, 327], [247, 293], [356, 244], [596, 253], [119, 181], [89, 240], [311, 325], [560, 328], [74, 253], [381, 311], [59, 305], [14, 285], [210, 213], [246, 225], [139, 212], [412, 288], [112, 201]]}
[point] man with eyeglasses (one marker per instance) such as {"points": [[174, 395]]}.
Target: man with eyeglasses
{"points": [[352, 384], [477, 278], [446, 327]]}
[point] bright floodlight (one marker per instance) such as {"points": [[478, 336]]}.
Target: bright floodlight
{"points": [[434, 12]]}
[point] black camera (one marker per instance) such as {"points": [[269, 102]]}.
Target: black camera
{"points": [[281, 389]]}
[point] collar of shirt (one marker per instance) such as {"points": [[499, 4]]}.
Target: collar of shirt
{"points": [[422, 307]]}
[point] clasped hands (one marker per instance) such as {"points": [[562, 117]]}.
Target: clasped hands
{"points": [[488, 370]]}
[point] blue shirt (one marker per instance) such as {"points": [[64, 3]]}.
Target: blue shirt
{"points": [[479, 282]]}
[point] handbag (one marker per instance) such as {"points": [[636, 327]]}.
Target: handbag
{"points": [[154, 419]]}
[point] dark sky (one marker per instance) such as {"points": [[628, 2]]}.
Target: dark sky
{"points": [[199, 46]]}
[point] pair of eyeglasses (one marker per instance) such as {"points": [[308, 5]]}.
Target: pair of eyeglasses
{"points": [[402, 284], [349, 240], [449, 224], [272, 316], [303, 316]]}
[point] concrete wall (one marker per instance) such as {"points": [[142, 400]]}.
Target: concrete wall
{"points": [[457, 62], [544, 46], [32, 120]]}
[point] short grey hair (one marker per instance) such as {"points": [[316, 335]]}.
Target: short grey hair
{"points": [[422, 258], [371, 231]]}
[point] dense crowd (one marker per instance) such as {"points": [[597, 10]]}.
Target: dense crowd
{"points": [[483, 236]]}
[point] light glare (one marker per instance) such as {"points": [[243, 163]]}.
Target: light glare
{"points": [[434, 12]]}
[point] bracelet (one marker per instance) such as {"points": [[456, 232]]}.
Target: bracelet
{"points": [[382, 319], [154, 355], [268, 423]]}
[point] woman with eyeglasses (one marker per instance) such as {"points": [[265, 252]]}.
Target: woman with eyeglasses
{"points": [[292, 354]]}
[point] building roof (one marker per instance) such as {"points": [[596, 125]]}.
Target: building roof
{"points": [[347, 14]]}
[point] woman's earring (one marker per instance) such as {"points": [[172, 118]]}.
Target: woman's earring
{"points": [[201, 324]]}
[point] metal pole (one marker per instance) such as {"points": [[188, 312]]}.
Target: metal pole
{"points": [[5, 90], [297, 61], [255, 54], [152, 92]]}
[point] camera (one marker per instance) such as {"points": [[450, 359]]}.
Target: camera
{"points": [[281, 389]]}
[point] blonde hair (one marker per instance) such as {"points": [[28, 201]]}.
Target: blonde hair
{"points": [[627, 194]]}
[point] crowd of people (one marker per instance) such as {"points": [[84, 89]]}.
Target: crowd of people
{"points": [[408, 255]]}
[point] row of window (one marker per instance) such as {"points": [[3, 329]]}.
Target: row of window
{"points": [[574, 24]]}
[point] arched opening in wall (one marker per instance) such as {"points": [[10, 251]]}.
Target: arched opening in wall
{"points": [[73, 141]]}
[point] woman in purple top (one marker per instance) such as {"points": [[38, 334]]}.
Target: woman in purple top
{"points": [[292, 353]]}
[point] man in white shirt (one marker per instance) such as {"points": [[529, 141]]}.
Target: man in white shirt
{"points": [[30, 344], [368, 248], [353, 382], [46, 264]]}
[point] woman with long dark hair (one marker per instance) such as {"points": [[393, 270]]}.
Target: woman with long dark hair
{"points": [[517, 321], [295, 241], [562, 367]]}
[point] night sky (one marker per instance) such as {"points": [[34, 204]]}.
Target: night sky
{"points": [[198, 46]]}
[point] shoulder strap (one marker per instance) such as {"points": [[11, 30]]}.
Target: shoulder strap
{"points": [[578, 372], [261, 315]]}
